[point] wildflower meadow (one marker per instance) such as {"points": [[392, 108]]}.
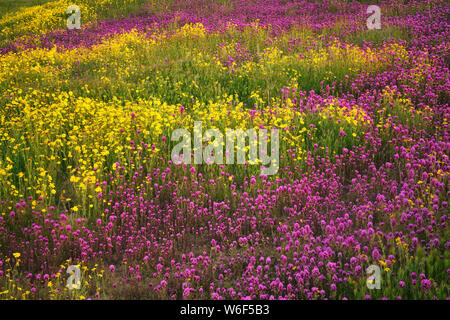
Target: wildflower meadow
{"points": [[224, 150]]}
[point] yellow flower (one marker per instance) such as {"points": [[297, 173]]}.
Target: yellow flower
{"points": [[16, 255]]}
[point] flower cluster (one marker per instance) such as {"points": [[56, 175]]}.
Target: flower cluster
{"points": [[86, 176]]}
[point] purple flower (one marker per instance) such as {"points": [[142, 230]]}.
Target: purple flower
{"points": [[425, 284]]}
